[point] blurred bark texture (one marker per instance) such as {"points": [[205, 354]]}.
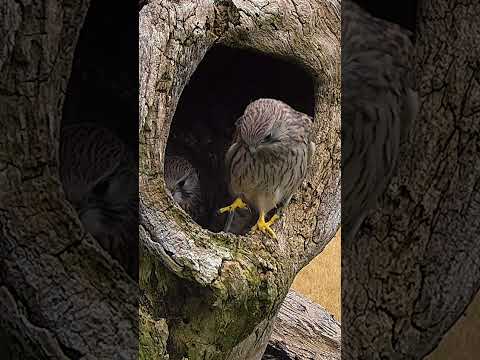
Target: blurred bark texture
{"points": [[413, 268], [59, 292], [220, 294]]}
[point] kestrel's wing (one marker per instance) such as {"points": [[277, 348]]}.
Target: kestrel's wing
{"points": [[308, 121], [228, 163], [228, 156], [379, 104], [232, 149]]}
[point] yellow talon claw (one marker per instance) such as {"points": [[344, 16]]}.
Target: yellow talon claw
{"points": [[237, 204], [273, 219], [265, 226]]}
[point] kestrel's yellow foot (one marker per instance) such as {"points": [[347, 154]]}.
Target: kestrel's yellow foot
{"points": [[273, 219], [265, 226], [237, 204]]}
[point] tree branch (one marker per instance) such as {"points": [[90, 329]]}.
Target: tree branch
{"points": [[304, 330]]}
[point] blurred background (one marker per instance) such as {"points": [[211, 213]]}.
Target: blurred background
{"points": [[320, 280]]}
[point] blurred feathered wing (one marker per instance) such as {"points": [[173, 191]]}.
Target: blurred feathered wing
{"points": [[379, 104]]}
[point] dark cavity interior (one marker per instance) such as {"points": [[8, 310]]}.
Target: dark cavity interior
{"points": [[225, 82], [402, 13], [103, 85]]}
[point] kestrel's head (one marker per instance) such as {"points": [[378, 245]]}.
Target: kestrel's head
{"points": [[182, 182], [271, 125]]}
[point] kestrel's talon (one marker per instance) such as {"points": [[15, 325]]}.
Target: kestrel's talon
{"points": [[265, 226], [273, 219], [237, 204]]}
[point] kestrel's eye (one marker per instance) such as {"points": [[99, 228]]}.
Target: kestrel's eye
{"points": [[181, 183]]}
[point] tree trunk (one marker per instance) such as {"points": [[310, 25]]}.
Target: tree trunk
{"points": [[220, 294], [303, 330], [59, 292], [413, 268]]}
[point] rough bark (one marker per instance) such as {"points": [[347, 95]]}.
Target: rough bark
{"points": [[413, 269], [218, 293], [59, 292], [303, 330]]}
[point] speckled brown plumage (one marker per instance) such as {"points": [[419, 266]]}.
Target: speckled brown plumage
{"points": [[99, 177], [379, 104], [268, 158], [183, 184]]}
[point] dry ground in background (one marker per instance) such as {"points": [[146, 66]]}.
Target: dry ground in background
{"points": [[320, 280]]}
